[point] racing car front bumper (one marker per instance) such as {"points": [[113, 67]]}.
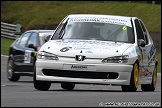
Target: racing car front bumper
{"points": [[91, 73]]}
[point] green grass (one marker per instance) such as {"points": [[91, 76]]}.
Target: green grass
{"points": [[31, 13], [159, 62], [5, 44]]}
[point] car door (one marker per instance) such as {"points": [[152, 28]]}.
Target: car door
{"points": [[31, 50], [150, 50], [148, 43], [142, 34]]}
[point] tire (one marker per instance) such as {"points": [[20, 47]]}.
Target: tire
{"points": [[133, 86], [10, 71], [68, 86], [152, 86], [40, 85]]}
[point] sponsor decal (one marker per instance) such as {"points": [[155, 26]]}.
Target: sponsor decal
{"points": [[144, 71], [88, 52], [88, 42], [137, 50], [82, 48], [35, 53], [151, 52], [87, 45], [151, 56], [112, 20], [78, 67]]}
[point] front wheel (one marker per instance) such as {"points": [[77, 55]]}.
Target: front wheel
{"points": [[133, 86], [40, 85], [152, 86], [10, 71], [68, 85]]}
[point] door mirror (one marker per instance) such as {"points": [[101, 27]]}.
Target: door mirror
{"points": [[31, 46], [141, 43], [47, 38]]}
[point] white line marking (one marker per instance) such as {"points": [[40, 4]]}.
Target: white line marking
{"points": [[2, 85], [4, 55]]}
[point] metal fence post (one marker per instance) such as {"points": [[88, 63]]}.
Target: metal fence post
{"points": [[18, 30], [9, 30], [18, 27]]}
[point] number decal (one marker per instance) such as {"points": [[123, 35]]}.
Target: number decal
{"points": [[27, 56], [65, 49], [124, 27]]}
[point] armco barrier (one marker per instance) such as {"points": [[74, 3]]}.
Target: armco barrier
{"points": [[8, 30]]}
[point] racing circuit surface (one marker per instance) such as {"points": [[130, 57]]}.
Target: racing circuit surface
{"points": [[23, 94]]}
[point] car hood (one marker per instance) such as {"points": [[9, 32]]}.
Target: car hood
{"points": [[88, 48]]}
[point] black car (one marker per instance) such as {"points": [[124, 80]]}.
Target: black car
{"points": [[23, 51]]}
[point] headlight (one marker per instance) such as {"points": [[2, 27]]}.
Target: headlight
{"points": [[116, 59], [45, 55]]}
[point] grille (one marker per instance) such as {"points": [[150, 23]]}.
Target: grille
{"points": [[80, 74]]}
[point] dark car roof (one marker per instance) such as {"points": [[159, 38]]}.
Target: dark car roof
{"points": [[40, 31]]}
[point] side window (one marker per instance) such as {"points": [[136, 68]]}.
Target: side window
{"points": [[32, 39], [24, 39], [144, 30], [140, 34]]}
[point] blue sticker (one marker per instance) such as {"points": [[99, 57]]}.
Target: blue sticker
{"points": [[152, 50]]}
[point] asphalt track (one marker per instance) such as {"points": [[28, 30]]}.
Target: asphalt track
{"points": [[23, 94]]}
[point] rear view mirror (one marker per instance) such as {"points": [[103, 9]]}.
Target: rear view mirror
{"points": [[141, 43]]}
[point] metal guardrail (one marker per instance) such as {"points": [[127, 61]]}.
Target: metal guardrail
{"points": [[9, 30]]}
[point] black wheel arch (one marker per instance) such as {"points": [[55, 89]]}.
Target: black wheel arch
{"points": [[11, 57]]}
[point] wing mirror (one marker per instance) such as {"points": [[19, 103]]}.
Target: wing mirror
{"points": [[141, 43], [31, 46]]}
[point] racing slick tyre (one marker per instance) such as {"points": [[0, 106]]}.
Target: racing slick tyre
{"points": [[133, 86], [68, 85], [152, 86], [40, 85], [10, 71]]}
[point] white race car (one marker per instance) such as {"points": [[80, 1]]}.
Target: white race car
{"points": [[98, 49]]}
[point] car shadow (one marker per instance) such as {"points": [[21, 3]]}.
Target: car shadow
{"points": [[24, 81], [83, 90]]}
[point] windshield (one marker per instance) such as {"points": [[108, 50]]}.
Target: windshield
{"points": [[97, 31]]}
